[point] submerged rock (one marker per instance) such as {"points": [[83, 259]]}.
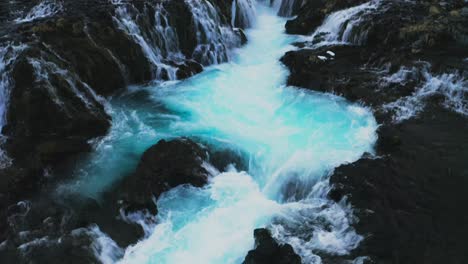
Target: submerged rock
{"points": [[268, 251]]}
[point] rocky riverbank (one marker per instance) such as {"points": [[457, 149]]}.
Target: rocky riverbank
{"points": [[407, 61]]}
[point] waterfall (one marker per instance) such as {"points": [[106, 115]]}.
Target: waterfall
{"points": [[450, 86], [214, 40], [166, 38], [45, 71], [42, 10], [288, 7], [338, 26], [8, 55], [243, 13]]}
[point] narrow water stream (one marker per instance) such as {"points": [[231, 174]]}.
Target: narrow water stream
{"points": [[292, 137]]}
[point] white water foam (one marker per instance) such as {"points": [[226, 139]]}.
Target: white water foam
{"points": [[167, 45], [242, 13], [453, 87], [337, 27], [214, 40], [42, 10], [86, 94]]}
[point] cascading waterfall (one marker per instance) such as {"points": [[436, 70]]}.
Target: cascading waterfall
{"points": [[167, 39], [338, 26], [242, 13], [166, 45], [452, 87], [42, 10], [87, 96], [214, 41], [287, 7], [292, 137]]}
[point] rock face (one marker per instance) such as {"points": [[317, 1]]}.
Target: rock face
{"points": [[268, 251], [162, 167], [405, 60]]}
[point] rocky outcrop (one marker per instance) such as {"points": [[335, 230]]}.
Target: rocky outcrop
{"points": [[268, 251], [405, 60], [162, 167]]}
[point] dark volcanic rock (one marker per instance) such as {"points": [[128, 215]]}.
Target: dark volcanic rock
{"points": [[408, 200], [268, 251], [162, 167]]}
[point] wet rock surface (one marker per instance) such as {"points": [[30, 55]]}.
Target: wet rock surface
{"points": [[405, 60], [268, 251], [162, 167]]}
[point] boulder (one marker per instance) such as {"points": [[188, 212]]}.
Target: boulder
{"points": [[268, 251], [164, 166]]}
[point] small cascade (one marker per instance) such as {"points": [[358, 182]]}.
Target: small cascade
{"points": [[214, 40], [42, 10], [450, 86], [167, 39], [46, 71], [338, 27], [157, 45], [287, 8], [243, 13], [8, 55]]}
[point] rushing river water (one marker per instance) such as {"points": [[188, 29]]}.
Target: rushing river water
{"points": [[292, 138]]}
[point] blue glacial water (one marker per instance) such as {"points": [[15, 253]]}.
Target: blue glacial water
{"points": [[293, 138]]}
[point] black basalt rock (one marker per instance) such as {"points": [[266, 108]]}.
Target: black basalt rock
{"points": [[164, 166], [268, 251]]}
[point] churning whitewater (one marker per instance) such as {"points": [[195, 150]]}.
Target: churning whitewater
{"points": [[291, 137]]}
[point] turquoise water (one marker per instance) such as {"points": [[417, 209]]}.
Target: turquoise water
{"points": [[292, 137]]}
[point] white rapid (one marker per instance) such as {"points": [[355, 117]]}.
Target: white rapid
{"points": [[242, 13], [450, 86], [214, 40], [8, 55], [42, 10], [292, 137], [338, 26]]}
